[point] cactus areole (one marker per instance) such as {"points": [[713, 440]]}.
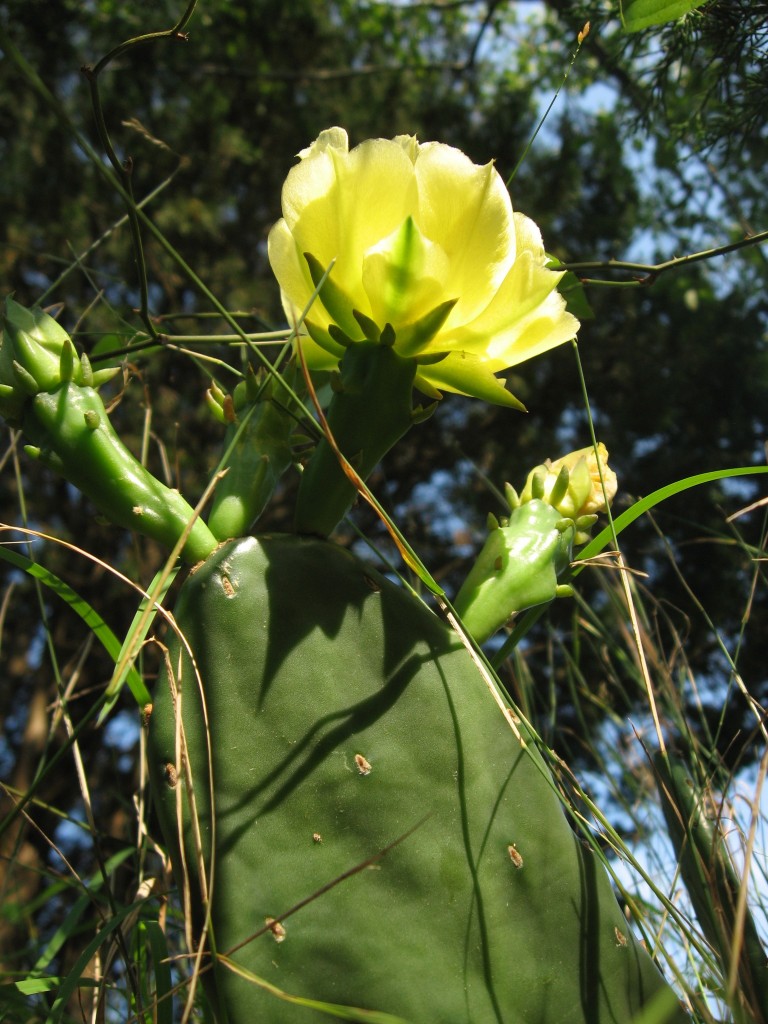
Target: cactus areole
{"points": [[341, 726]]}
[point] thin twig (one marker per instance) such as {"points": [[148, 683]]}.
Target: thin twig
{"points": [[651, 271]]}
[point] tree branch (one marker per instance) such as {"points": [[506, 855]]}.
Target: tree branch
{"points": [[649, 272]]}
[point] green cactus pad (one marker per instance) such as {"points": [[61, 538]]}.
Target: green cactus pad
{"points": [[343, 717]]}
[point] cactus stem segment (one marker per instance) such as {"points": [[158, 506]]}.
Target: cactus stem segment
{"points": [[369, 412], [71, 432], [257, 447], [517, 568]]}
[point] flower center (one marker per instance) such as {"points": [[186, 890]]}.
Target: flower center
{"points": [[403, 275]]}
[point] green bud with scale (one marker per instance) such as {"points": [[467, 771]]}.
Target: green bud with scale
{"points": [[37, 354], [525, 555], [50, 394]]}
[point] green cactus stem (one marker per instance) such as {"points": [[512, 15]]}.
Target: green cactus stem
{"points": [[52, 396], [70, 432], [370, 411], [259, 427], [342, 719]]}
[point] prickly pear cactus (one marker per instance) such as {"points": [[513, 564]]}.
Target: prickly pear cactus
{"points": [[341, 716]]}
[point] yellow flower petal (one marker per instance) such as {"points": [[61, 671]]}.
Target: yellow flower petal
{"points": [[526, 316], [331, 138], [290, 269], [338, 205], [468, 210], [591, 488]]}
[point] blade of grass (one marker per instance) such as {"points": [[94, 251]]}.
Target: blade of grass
{"points": [[135, 636], [606, 536], [80, 606], [69, 924], [163, 1007], [351, 1013], [75, 977]]}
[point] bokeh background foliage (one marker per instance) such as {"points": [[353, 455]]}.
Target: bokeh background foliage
{"points": [[654, 148]]}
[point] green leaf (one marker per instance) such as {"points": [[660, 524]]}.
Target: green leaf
{"points": [[576, 301], [467, 374], [163, 980], [413, 338], [68, 928], [336, 301], [640, 14], [76, 976], [572, 290]]}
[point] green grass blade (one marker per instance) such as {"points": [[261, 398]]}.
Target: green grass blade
{"points": [[75, 976], [68, 926], [604, 538], [350, 1013], [35, 986], [134, 638], [80, 606], [163, 985]]}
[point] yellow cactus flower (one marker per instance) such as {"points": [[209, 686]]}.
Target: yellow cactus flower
{"points": [[421, 239]]}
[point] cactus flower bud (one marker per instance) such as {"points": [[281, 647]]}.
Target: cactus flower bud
{"points": [[52, 397], [587, 486], [36, 342], [524, 555], [517, 568], [37, 355]]}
